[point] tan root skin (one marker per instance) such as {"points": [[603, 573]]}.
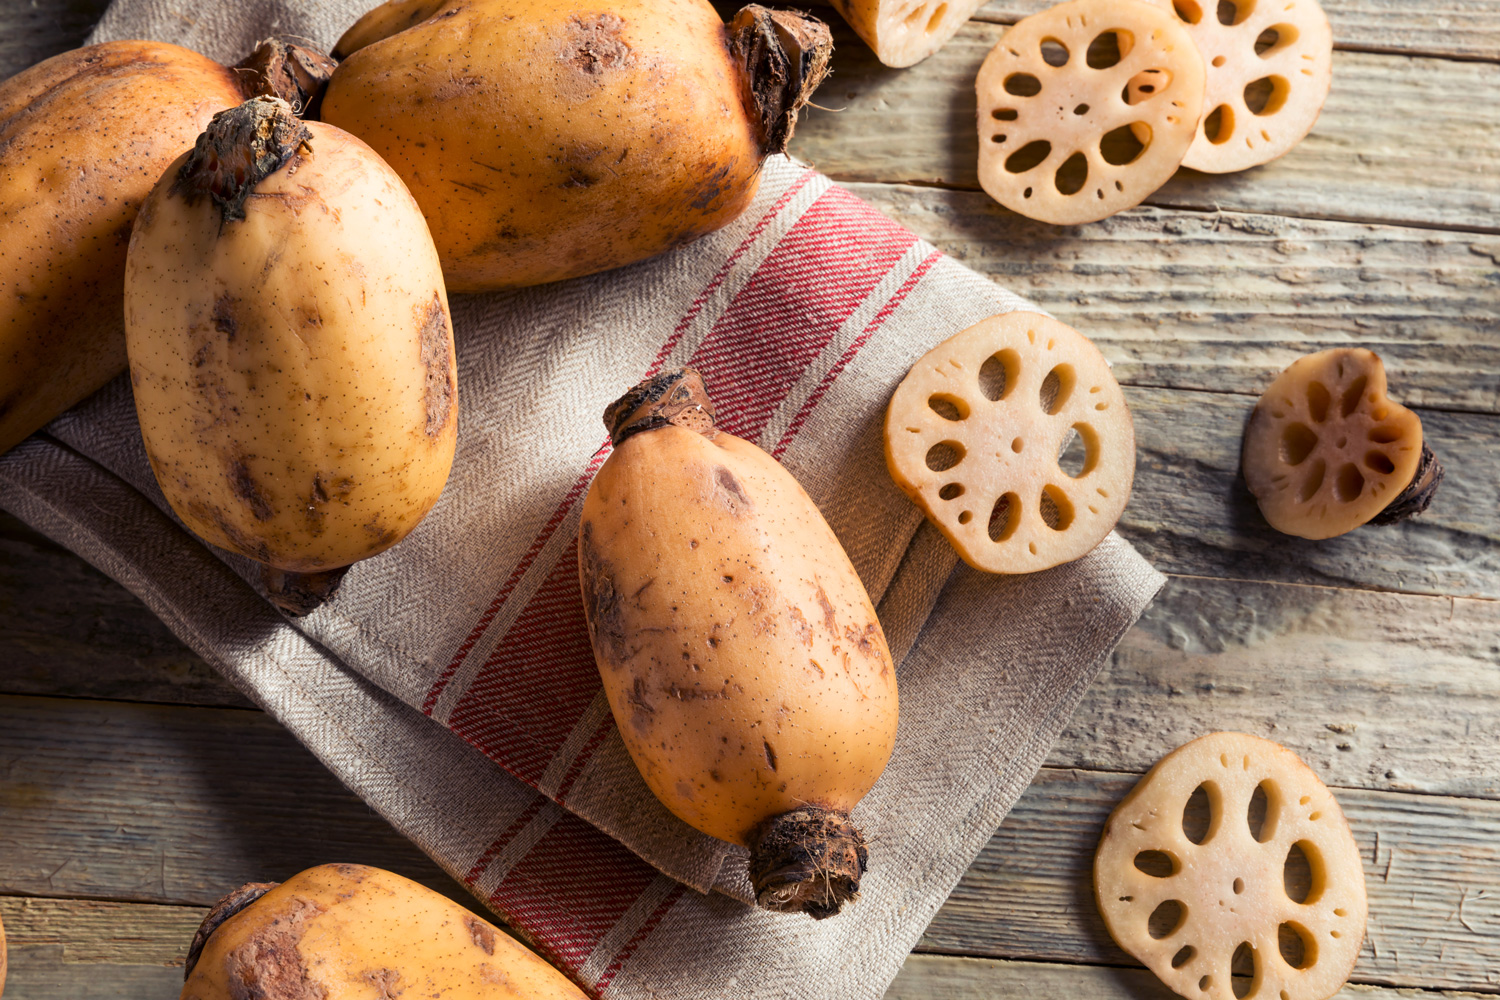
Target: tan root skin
{"points": [[294, 370], [1326, 449], [1078, 106], [355, 933], [85, 135], [1299, 64], [1231, 886], [739, 650], [1010, 446], [904, 32], [545, 141]]}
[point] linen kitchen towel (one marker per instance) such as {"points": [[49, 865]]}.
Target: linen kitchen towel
{"points": [[450, 680]]}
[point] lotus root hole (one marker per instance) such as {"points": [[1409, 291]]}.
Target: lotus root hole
{"points": [[1317, 401], [1199, 812], [1166, 919], [1082, 109], [1157, 864], [1232, 12], [1005, 517], [937, 17], [1218, 126], [1123, 145], [1205, 983], [1028, 157], [1349, 483], [1298, 947], [965, 517], [1022, 85], [1188, 10], [1297, 442], [1379, 413], [1267, 95], [1313, 481], [1017, 446], [1056, 389], [951, 492], [1072, 175], [1379, 463], [1081, 455], [1264, 811], [1005, 114], [1145, 85], [1275, 38], [1239, 886], [999, 374], [1108, 48], [1054, 52], [1243, 969], [1219, 61], [1056, 508], [1302, 873], [1349, 402], [948, 406], [1184, 956], [945, 455]]}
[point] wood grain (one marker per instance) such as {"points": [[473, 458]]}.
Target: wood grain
{"points": [[1432, 870], [1413, 141], [1466, 29], [1223, 301], [33, 31]]}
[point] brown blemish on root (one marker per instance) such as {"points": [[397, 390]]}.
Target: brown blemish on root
{"points": [[247, 489], [223, 316], [870, 642], [437, 363], [269, 964], [644, 712], [770, 754], [593, 44], [385, 981], [225, 908], [827, 605], [733, 497], [601, 600], [801, 626], [481, 933]]}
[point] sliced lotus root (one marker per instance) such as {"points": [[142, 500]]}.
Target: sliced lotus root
{"points": [[1063, 136], [1015, 439], [1268, 884], [904, 32], [1327, 451], [1270, 63]]}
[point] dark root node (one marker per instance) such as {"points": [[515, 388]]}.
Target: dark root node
{"points": [[809, 860]]}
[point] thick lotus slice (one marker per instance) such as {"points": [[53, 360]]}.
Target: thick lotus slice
{"points": [[1015, 439], [1273, 878], [904, 32], [1087, 108], [1327, 451], [1270, 63]]}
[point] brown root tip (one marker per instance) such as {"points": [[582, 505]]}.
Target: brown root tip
{"points": [[222, 911], [809, 860], [240, 148], [1417, 496], [295, 74], [676, 397], [300, 594], [785, 56]]}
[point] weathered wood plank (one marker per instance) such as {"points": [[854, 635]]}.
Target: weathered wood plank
{"points": [[1468, 29], [1365, 160], [950, 977], [174, 805], [98, 932], [33, 30], [1432, 869], [1380, 691], [1191, 513], [1221, 301], [67, 629]]}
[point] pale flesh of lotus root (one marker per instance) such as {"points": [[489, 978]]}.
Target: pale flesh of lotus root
{"points": [[1231, 887], [1326, 450], [1298, 65], [1078, 106], [1055, 383], [904, 32]]}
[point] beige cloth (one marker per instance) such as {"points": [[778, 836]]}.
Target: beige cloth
{"points": [[449, 682]]}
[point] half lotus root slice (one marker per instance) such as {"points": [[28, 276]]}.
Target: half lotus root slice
{"points": [[1289, 889], [1327, 451], [904, 32], [1064, 137], [1270, 64], [975, 431]]}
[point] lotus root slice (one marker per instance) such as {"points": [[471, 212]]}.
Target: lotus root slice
{"points": [[1268, 883], [1269, 67], [1015, 440], [904, 32], [1326, 450], [1086, 109]]}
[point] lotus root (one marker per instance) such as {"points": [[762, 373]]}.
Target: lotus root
{"points": [[1326, 450], [1267, 884], [1086, 109], [1015, 440], [1269, 68]]}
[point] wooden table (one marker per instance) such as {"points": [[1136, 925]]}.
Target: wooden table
{"points": [[136, 787]]}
